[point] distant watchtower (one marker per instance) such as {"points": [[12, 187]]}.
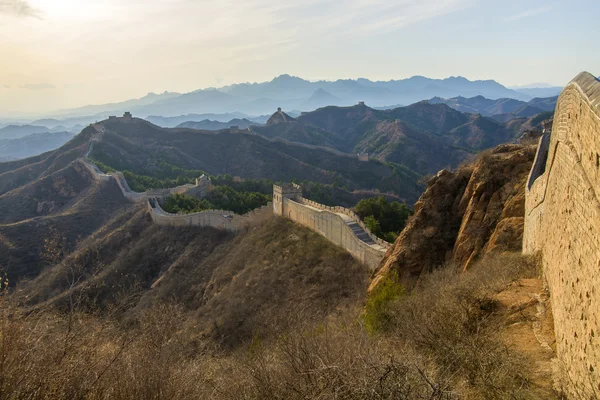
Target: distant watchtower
{"points": [[285, 191], [234, 128], [363, 156], [278, 109], [203, 186], [127, 115], [361, 103]]}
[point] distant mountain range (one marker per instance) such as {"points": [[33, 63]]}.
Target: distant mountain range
{"points": [[293, 93], [501, 110], [208, 125], [172, 122], [31, 145], [20, 131]]}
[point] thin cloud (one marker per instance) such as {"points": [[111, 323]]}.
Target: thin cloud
{"points": [[528, 13], [19, 8], [38, 86]]}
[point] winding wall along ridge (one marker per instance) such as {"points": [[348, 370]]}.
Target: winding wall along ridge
{"points": [[562, 223], [338, 224]]}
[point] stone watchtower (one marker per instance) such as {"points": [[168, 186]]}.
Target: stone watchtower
{"points": [[203, 186], [285, 191]]}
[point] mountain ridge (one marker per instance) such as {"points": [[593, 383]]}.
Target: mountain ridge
{"points": [[293, 93]]}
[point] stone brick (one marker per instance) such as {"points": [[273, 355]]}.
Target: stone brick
{"points": [[561, 223]]}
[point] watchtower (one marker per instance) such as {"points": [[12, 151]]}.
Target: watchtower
{"points": [[127, 115], [278, 109], [203, 186], [361, 103], [286, 191], [363, 156]]}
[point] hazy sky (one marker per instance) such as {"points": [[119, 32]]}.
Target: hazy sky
{"points": [[65, 53]]}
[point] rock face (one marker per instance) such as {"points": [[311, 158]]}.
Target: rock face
{"points": [[463, 215]]}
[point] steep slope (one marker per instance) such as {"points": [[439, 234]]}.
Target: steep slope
{"points": [[276, 272], [67, 203], [464, 215], [18, 173]]}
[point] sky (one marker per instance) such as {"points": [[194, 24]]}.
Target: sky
{"points": [[57, 54]]}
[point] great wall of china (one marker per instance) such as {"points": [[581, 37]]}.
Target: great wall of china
{"points": [[338, 224], [562, 224]]}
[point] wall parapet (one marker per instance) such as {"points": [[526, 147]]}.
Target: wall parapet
{"points": [[220, 219], [338, 224], [349, 213], [562, 224]]}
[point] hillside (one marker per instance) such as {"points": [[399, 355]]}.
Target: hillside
{"points": [[220, 278], [424, 137], [145, 149]]}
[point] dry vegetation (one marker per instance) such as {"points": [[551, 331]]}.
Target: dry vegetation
{"points": [[440, 342]]}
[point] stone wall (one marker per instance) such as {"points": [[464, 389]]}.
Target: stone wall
{"points": [[219, 219], [137, 197], [562, 224], [289, 203], [335, 229], [350, 214]]}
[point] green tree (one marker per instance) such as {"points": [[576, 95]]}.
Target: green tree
{"points": [[384, 219]]}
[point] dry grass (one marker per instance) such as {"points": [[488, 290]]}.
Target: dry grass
{"points": [[442, 345]]}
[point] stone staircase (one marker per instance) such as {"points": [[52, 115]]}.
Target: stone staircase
{"points": [[359, 232]]}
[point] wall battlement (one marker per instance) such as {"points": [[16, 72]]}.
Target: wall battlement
{"points": [[562, 224], [338, 224], [220, 219]]}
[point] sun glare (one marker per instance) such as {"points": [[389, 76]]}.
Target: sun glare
{"points": [[74, 9]]}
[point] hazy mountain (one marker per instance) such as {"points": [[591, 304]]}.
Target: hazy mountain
{"points": [[31, 145], [17, 131], [172, 122], [117, 108], [293, 93], [209, 125], [500, 109], [320, 98], [541, 92]]}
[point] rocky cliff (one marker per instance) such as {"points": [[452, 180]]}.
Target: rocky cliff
{"points": [[463, 215]]}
